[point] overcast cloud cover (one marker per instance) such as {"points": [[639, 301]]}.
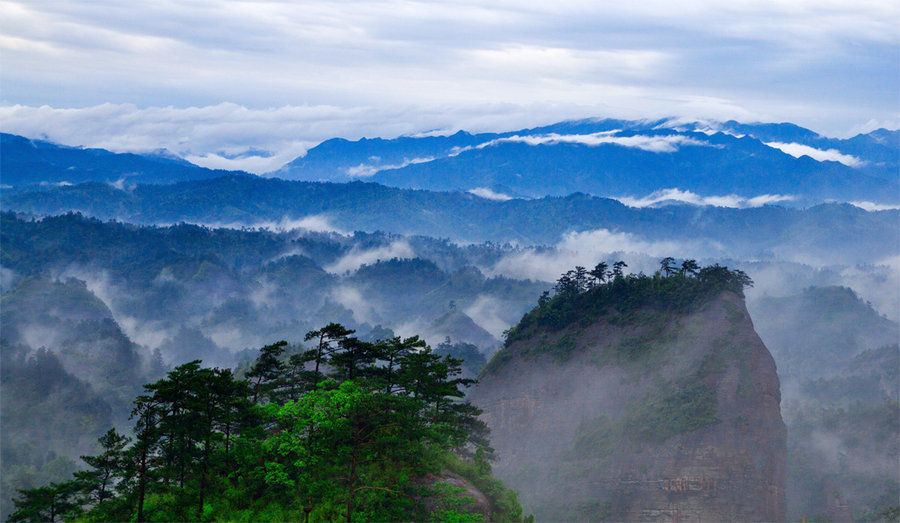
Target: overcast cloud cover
{"points": [[253, 84]]}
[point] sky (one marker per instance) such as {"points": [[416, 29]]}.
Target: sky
{"points": [[253, 84]]}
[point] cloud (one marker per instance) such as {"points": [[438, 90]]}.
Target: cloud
{"points": [[656, 144], [363, 309], [454, 64], [484, 192], [586, 249], [872, 206], [356, 258], [8, 278], [872, 125], [829, 155], [365, 170], [878, 283], [121, 185], [731, 200], [491, 314], [312, 223]]}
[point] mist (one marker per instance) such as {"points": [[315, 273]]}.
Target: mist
{"points": [[229, 291], [357, 257]]}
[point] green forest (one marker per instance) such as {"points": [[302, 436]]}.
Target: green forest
{"points": [[582, 293], [343, 430]]}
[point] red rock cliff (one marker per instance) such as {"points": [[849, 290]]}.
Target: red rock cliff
{"points": [[664, 417]]}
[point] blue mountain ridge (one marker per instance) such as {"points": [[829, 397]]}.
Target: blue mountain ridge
{"points": [[602, 157], [710, 159], [840, 233], [25, 162]]}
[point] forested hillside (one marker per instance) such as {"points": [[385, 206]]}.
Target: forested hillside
{"points": [[221, 290], [345, 429], [838, 233]]}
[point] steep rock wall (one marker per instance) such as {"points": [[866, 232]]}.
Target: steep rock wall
{"points": [[654, 417]]}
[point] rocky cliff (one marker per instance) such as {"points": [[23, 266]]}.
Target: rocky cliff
{"points": [[654, 414]]}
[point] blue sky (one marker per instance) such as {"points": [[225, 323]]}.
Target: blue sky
{"points": [[253, 84]]}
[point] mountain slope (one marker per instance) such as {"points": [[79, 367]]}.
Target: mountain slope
{"points": [[658, 409], [25, 162], [837, 233], [631, 163], [339, 160], [818, 332], [617, 158]]}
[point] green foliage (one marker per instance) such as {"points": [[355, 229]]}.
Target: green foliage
{"points": [[472, 358], [478, 472], [451, 506], [287, 443], [585, 295], [561, 349], [663, 414], [49, 503], [595, 438]]}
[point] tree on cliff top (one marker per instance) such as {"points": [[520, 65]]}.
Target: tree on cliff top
{"points": [[581, 294]]}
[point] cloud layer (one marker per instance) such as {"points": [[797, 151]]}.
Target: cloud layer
{"points": [[356, 258], [252, 84], [488, 194], [586, 249], [828, 155], [655, 144], [730, 200]]}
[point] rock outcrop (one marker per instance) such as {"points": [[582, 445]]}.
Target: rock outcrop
{"points": [[650, 416]]}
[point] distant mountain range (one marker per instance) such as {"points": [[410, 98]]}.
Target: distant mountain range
{"points": [[838, 233], [25, 162], [634, 161], [618, 158]]}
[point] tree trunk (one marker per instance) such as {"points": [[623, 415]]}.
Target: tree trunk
{"points": [[351, 476], [142, 484]]}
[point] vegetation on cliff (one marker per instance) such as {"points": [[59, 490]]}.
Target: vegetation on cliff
{"points": [[343, 431], [624, 397], [582, 296]]}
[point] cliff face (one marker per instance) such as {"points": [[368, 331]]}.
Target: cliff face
{"points": [[652, 417]]}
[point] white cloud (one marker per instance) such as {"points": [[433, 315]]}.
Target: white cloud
{"points": [[488, 194], [312, 223], [872, 206], [364, 170], [8, 278], [585, 249], [677, 195], [363, 309], [121, 185], [356, 258], [829, 155], [232, 136], [656, 144], [870, 126], [878, 283], [489, 313], [527, 62]]}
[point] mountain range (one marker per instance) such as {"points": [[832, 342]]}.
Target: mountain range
{"points": [[619, 158], [720, 163], [840, 233], [27, 162]]}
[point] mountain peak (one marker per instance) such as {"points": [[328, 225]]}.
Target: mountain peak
{"points": [[651, 409]]}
